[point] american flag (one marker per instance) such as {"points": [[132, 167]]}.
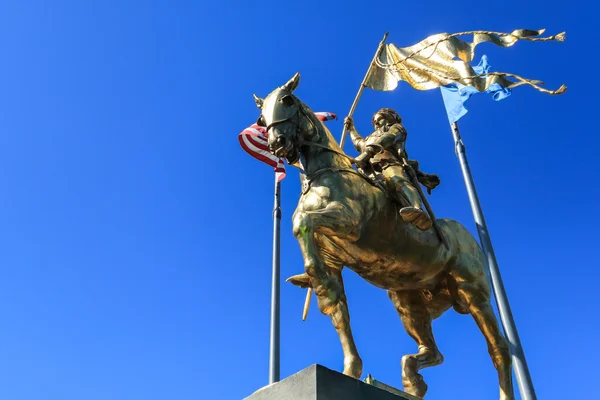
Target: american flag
{"points": [[253, 140], [325, 116]]}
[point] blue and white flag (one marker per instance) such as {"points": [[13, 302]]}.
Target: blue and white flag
{"points": [[455, 94]]}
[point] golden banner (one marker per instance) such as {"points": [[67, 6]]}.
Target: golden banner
{"points": [[444, 58]]}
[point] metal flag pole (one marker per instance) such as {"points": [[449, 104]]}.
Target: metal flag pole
{"points": [[362, 87], [508, 323], [274, 353]]}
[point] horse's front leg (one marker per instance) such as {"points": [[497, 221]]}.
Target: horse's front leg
{"points": [[340, 317], [333, 220], [326, 281]]}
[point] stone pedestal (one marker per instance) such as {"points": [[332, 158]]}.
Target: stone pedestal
{"points": [[319, 383]]}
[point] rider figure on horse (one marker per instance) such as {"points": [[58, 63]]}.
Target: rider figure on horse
{"points": [[384, 151]]}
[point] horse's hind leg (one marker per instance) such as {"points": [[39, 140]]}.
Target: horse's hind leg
{"points": [[469, 287], [481, 310], [413, 311]]}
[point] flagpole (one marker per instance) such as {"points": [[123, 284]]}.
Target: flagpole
{"points": [[508, 323], [362, 87], [274, 353]]}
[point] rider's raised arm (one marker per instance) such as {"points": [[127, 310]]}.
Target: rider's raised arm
{"points": [[357, 140]]}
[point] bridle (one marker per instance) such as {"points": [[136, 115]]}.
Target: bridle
{"points": [[302, 142], [309, 178]]}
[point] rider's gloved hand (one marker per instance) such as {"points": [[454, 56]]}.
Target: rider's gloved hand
{"points": [[362, 160], [348, 123]]}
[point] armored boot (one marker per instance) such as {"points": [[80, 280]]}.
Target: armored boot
{"points": [[413, 213]]}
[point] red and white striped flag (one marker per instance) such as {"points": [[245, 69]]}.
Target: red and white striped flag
{"points": [[254, 141], [325, 116]]}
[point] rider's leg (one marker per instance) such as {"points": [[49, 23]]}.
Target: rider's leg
{"points": [[412, 212], [411, 194]]}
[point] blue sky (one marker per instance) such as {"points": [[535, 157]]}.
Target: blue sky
{"points": [[136, 234]]}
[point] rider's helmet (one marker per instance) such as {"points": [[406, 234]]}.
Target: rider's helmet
{"points": [[385, 114]]}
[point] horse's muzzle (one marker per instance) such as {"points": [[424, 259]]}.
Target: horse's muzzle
{"points": [[281, 146]]}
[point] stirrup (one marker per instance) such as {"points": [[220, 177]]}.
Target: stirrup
{"points": [[417, 217]]}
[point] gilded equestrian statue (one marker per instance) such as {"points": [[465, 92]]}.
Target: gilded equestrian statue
{"points": [[343, 220]]}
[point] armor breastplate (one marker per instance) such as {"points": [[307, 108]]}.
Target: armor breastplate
{"points": [[384, 157]]}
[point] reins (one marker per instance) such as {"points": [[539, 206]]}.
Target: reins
{"points": [[341, 153], [309, 178]]}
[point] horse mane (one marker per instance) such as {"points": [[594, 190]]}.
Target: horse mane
{"points": [[323, 133]]}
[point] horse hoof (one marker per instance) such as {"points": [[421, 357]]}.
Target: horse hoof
{"points": [[504, 396], [353, 367], [416, 386]]}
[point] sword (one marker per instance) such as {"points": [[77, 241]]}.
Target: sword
{"points": [[417, 185]]}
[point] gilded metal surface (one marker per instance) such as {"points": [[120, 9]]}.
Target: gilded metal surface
{"points": [[384, 151], [343, 220], [444, 58]]}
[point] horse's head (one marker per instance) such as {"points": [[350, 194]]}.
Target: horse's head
{"points": [[286, 120]]}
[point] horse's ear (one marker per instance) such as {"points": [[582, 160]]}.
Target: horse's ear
{"points": [[261, 121], [259, 102], [292, 84]]}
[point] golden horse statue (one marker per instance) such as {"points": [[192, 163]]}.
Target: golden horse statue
{"points": [[343, 220]]}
